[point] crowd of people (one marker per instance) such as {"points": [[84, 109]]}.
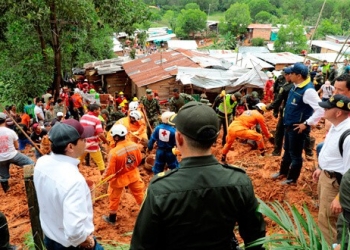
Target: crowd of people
{"points": [[196, 189]]}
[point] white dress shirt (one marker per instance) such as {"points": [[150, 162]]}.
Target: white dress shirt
{"points": [[330, 158], [64, 198], [311, 97]]}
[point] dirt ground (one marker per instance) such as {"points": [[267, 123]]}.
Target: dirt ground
{"points": [[14, 203]]}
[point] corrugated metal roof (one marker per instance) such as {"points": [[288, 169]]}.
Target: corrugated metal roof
{"points": [[252, 49], [185, 44], [280, 58], [329, 45], [259, 26], [108, 66], [330, 57], [156, 67]]}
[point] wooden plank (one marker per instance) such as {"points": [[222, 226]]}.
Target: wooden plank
{"points": [[38, 235]]}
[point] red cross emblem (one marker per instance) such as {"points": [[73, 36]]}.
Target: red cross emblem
{"points": [[164, 133]]}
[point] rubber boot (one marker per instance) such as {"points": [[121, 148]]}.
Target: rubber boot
{"points": [[5, 186], [111, 219]]}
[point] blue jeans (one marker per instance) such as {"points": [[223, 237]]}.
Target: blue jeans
{"points": [[292, 160], [318, 148], [53, 245], [19, 160], [164, 156], [22, 143]]}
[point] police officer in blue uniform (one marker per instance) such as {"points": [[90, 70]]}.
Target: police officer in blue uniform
{"points": [[198, 205]]}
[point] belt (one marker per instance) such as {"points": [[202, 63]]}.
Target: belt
{"points": [[329, 174]]}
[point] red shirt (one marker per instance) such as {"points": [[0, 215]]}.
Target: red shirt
{"points": [[90, 119]]}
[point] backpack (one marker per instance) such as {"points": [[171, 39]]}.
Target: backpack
{"points": [[342, 138]]}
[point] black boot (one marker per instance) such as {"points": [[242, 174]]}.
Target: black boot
{"points": [[5, 186], [111, 219]]}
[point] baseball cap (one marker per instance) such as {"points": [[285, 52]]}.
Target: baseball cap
{"points": [[238, 95], [68, 131], [59, 114], [197, 121], [2, 116], [35, 126], [149, 91], [336, 101], [287, 70], [300, 68]]}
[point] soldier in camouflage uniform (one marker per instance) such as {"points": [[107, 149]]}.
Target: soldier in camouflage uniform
{"points": [[178, 100], [152, 108]]}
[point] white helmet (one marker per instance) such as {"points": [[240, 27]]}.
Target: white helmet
{"points": [[166, 115], [269, 74], [119, 129], [261, 106], [133, 106], [136, 114]]}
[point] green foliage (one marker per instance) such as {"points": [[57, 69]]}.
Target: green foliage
{"points": [[263, 17], [327, 27], [291, 38], [192, 6], [171, 17], [189, 22], [256, 6], [237, 18], [258, 41], [297, 232]]}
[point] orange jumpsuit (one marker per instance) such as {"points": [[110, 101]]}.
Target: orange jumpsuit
{"points": [[241, 127], [123, 162], [138, 128]]}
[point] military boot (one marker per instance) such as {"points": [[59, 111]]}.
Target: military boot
{"points": [[111, 219], [5, 186]]}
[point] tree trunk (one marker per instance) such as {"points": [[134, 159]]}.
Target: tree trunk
{"points": [[57, 77], [42, 42]]}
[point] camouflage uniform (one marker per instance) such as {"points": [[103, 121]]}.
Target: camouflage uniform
{"points": [[176, 104], [152, 109]]}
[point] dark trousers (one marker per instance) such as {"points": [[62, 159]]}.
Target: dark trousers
{"points": [[222, 122], [292, 159], [4, 233], [53, 245]]}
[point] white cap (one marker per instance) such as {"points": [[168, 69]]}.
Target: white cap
{"points": [[59, 114]]}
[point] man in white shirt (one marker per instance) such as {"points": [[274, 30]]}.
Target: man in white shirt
{"points": [[9, 153], [332, 165], [39, 113], [64, 197]]}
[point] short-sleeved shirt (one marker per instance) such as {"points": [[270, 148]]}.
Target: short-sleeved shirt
{"points": [[90, 119], [7, 147]]}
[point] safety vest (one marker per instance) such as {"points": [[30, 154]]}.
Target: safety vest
{"points": [[296, 111], [229, 106]]}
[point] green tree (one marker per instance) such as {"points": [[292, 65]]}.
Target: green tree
{"points": [[189, 22], [258, 41], [263, 17], [256, 6], [327, 27], [45, 38], [291, 38], [238, 18], [171, 17]]}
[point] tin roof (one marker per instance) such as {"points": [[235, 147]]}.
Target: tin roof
{"points": [[280, 58], [156, 67]]}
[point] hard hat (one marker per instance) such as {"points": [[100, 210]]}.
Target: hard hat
{"points": [[166, 115], [133, 106], [121, 93], [136, 114], [254, 94], [269, 74], [135, 99], [119, 130], [261, 106], [315, 65], [92, 91]]}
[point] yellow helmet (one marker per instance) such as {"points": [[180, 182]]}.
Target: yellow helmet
{"points": [[121, 93], [135, 99]]}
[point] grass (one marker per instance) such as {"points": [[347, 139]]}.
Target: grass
{"points": [[216, 16]]}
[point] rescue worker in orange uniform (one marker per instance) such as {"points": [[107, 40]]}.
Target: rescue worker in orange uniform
{"points": [[136, 126], [242, 126], [123, 162]]}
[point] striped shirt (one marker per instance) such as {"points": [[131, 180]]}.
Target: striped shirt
{"points": [[90, 119]]}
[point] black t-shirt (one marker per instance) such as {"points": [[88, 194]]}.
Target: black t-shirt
{"points": [[37, 137]]}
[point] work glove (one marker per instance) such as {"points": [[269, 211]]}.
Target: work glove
{"points": [[223, 93]]}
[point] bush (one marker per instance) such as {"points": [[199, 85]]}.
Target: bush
{"points": [[258, 41]]}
